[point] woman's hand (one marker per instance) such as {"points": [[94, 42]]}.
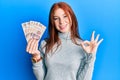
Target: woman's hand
{"points": [[32, 48], [91, 46]]}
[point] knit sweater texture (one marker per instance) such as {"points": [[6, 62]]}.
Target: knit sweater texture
{"points": [[68, 62]]}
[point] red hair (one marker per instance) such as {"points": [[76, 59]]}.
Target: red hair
{"points": [[53, 32]]}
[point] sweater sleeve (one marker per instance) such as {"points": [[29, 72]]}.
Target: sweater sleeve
{"points": [[86, 67], [39, 67]]}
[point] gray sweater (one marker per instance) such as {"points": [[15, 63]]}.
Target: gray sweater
{"points": [[68, 62]]}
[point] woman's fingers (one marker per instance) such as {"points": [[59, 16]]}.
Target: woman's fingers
{"points": [[28, 45], [92, 37], [84, 44], [96, 40], [99, 42], [35, 48], [32, 46], [91, 46]]}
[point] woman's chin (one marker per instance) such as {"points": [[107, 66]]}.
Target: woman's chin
{"points": [[64, 31]]}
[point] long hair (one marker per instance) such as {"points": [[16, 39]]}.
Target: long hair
{"points": [[53, 32]]}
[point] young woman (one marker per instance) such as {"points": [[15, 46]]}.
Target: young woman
{"points": [[64, 55]]}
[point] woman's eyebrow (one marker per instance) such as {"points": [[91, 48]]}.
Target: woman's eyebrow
{"points": [[55, 16]]}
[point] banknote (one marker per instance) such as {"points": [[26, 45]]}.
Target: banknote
{"points": [[33, 29]]}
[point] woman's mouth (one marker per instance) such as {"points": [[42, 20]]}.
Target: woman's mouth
{"points": [[63, 27]]}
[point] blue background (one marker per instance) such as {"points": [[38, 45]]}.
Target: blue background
{"points": [[103, 16]]}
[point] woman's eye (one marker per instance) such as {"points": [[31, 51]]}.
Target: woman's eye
{"points": [[55, 18], [65, 16]]}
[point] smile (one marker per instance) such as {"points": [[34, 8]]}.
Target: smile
{"points": [[63, 27]]}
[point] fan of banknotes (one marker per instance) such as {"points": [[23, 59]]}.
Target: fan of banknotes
{"points": [[33, 29]]}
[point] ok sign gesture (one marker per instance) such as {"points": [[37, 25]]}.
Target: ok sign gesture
{"points": [[91, 46]]}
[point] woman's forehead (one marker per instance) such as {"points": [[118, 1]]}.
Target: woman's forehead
{"points": [[60, 11]]}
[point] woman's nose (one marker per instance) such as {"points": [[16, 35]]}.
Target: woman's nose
{"points": [[61, 21]]}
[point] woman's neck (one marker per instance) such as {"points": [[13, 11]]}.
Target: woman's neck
{"points": [[66, 35]]}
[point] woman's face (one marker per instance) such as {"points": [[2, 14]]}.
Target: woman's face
{"points": [[61, 21]]}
